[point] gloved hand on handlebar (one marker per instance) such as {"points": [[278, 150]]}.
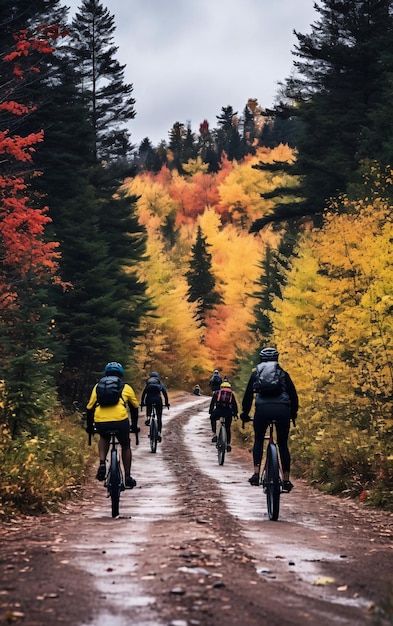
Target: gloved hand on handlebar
{"points": [[245, 418]]}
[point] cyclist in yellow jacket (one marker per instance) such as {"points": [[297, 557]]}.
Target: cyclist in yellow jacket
{"points": [[114, 417]]}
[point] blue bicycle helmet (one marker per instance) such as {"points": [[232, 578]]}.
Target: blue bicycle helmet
{"points": [[154, 375], [268, 354], [114, 369]]}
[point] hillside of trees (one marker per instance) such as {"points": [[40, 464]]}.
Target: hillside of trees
{"points": [[274, 227]]}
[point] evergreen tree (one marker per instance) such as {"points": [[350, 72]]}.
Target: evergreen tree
{"points": [[148, 158], [207, 148], [200, 280], [101, 80], [177, 138], [228, 136], [342, 72]]}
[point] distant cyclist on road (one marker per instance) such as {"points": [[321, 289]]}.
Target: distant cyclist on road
{"points": [[152, 395], [282, 408], [223, 404], [215, 381], [114, 417]]}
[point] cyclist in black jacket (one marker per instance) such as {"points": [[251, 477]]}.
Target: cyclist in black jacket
{"points": [[282, 408], [152, 395]]}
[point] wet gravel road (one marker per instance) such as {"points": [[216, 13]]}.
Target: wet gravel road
{"points": [[194, 546]]}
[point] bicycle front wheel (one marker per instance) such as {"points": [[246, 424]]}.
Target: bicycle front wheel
{"points": [[272, 482], [221, 444], [153, 434], [114, 485]]}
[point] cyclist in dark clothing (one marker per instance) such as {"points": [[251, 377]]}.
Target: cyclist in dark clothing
{"points": [[152, 395], [215, 381], [227, 408], [282, 408]]}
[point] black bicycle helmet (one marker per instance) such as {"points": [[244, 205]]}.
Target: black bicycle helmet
{"points": [[268, 354], [114, 369]]}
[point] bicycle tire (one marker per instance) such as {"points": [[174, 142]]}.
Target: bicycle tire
{"points": [[221, 444], [153, 434], [272, 482], [114, 486]]}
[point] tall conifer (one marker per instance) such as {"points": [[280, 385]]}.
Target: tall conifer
{"points": [[101, 80], [200, 279]]}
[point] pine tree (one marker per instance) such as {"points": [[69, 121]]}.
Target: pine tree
{"points": [[101, 80], [342, 71], [228, 136], [200, 279]]}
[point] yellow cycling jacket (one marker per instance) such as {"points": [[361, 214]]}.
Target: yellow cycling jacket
{"points": [[114, 413]]}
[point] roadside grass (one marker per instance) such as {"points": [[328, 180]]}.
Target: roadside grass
{"points": [[38, 473]]}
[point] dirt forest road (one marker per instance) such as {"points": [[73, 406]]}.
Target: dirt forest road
{"points": [[194, 546]]}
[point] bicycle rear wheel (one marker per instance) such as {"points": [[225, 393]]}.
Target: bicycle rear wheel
{"points": [[221, 444], [153, 434], [272, 482], [114, 485]]}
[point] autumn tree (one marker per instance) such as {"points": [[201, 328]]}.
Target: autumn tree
{"points": [[28, 263], [201, 282], [334, 326]]}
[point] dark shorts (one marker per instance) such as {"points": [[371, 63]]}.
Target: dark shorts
{"points": [[123, 428]]}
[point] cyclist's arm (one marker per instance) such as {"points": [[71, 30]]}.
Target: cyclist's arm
{"points": [[143, 397], [93, 398], [130, 396], [165, 394], [235, 410], [291, 391], [249, 394]]}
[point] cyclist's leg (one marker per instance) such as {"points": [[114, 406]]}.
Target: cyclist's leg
{"points": [[228, 423], [213, 421], [126, 454], [159, 413], [103, 447], [282, 427]]}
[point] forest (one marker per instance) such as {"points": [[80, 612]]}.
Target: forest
{"points": [[273, 228]]}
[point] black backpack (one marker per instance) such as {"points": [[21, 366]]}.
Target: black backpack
{"points": [[269, 379], [153, 385], [109, 390]]}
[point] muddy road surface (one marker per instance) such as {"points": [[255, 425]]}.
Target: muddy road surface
{"points": [[194, 546]]}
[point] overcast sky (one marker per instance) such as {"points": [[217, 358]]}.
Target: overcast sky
{"points": [[189, 58]]}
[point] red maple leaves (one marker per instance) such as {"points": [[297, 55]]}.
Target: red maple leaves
{"points": [[23, 251]]}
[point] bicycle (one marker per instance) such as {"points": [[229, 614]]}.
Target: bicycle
{"points": [[222, 439], [271, 476]]}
